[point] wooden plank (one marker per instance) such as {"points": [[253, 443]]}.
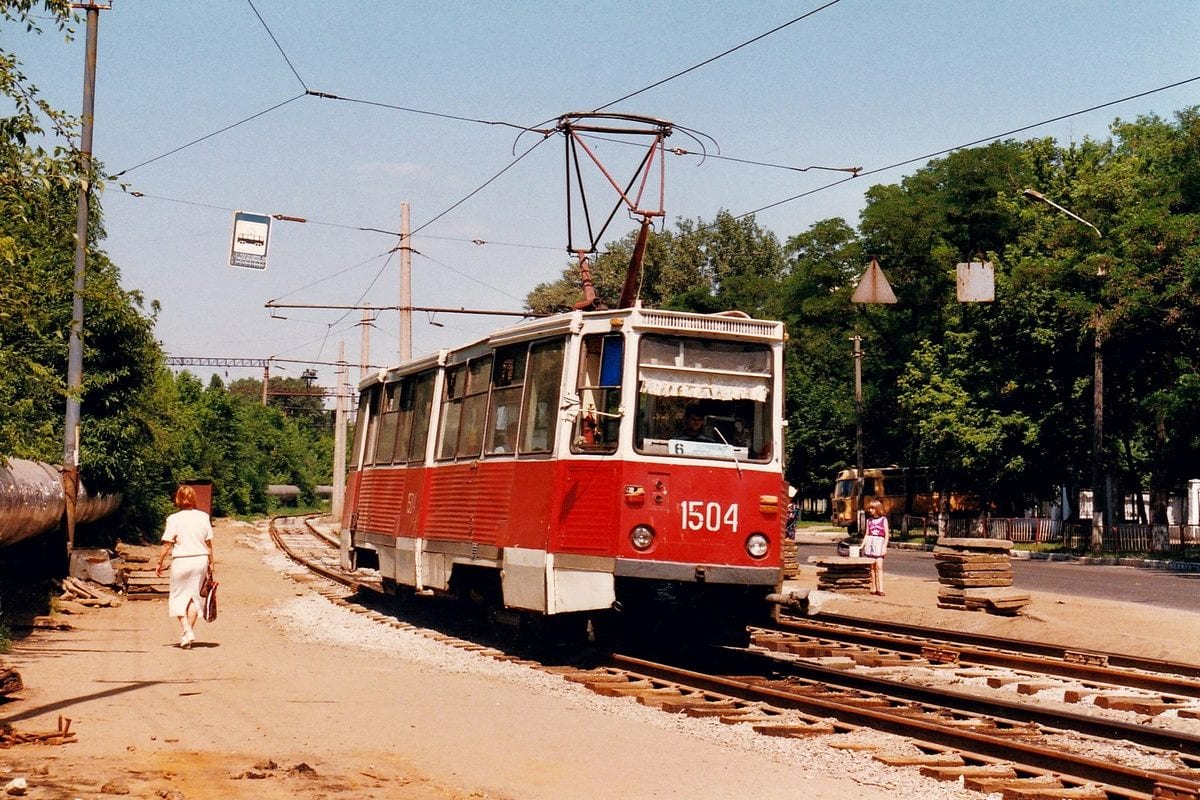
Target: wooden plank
{"points": [[795, 731], [920, 759], [1050, 793], [954, 773], [965, 557], [998, 785], [973, 544]]}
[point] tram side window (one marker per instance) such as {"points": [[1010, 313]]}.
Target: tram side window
{"points": [[422, 405], [404, 419], [543, 388], [385, 449], [371, 405], [599, 386], [504, 414], [363, 427], [452, 398], [474, 408]]}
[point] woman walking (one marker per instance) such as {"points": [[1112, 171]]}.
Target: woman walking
{"points": [[875, 544], [188, 539]]}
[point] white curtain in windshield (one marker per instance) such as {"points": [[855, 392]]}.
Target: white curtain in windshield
{"points": [[704, 386]]}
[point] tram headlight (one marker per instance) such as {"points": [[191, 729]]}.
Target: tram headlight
{"points": [[757, 545], [641, 537]]}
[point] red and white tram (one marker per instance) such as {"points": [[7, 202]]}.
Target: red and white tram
{"points": [[546, 469]]}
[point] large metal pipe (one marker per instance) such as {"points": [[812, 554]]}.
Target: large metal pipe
{"points": [[32, 501]]}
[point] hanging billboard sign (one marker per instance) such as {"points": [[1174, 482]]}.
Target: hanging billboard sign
{"points": [[976, 282], [249, 248]]}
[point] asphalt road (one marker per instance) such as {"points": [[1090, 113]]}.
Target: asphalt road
{"points": [[1167, 589]]}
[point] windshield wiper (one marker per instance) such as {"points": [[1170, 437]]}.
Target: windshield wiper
{"points": [[732, 449]]}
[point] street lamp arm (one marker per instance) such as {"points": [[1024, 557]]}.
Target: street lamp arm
{"points": [[1036, 195]]}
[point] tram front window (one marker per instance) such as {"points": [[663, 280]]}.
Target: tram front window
{"points": [[704, 399]]}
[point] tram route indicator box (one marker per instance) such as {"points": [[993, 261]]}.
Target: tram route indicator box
{"points": [[249, 246]]}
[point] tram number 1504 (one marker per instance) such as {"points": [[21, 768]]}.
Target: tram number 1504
{"points": [[697, 515]]}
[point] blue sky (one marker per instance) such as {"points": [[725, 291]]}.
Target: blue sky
{"points": [[861, 83]]}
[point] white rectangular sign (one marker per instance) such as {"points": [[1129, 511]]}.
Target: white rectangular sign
{"points": [[976, 282], [250, 233]]}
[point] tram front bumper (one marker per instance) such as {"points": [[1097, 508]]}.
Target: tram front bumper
{"points": [[697, 573]]}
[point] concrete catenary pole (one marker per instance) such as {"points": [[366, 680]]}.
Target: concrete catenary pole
{"points": [[339, 437], [70, 472], [364, 350], [405, 287], [859, 483]]}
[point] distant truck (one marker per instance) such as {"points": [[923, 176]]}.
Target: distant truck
{"points": [[902, 491]]}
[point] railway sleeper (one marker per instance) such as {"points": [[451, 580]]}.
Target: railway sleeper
{"points": [[1151, 706], [954, 773], [1090, 659], [796, 730], [707, 706], [1167, 792], [1017, 791], [937, 654], [1033, 687], [947, 759], [877, 659], [659, 698]]}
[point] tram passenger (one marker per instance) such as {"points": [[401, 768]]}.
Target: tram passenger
{"points": [[506, 440], [875, 544], [694, 423], [188, 539]]}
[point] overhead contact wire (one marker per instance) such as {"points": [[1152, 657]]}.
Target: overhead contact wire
{"points": [[278, 46], [481, 187], [206, 136], [734, 49], [991, 138], [410, 110]]}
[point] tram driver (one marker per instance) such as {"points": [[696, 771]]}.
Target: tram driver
{"points": [[694, 425]]}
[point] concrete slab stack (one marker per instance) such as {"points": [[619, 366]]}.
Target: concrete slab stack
{"points": [[842, 574], [976, 575], [791, 566]]}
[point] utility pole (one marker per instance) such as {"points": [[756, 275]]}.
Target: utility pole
{"points": [[858, 432], [405, 287], [364, 351], [266, 380], [1101, 486], [873, 288], [70, 470], [339, 438]]}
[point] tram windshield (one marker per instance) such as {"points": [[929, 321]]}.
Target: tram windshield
{"points": [[701, 398]]}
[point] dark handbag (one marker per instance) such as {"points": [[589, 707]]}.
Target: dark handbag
{"points": [[210, 599], [207, 584]]}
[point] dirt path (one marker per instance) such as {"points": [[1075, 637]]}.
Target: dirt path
{"points": [[287, 695]]}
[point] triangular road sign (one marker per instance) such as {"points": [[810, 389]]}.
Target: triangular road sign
{"points": [[873, 287]]}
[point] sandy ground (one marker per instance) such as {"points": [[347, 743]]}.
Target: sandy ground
{"points": [[271, 703]]}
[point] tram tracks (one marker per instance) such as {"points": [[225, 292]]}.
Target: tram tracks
{"points": [[989, 743]]}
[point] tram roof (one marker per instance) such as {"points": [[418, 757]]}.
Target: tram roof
{"points": [[722, 325]]}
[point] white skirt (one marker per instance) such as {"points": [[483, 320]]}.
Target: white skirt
{"points": [[187, 573]]}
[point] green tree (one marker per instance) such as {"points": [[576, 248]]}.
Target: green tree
{"points": [[823, 263], [728, 264]]}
